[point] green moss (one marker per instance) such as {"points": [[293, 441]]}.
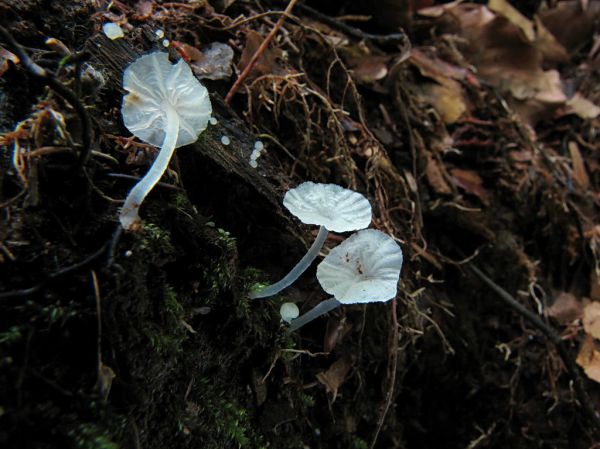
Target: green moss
{"points": [[12, 335], [359, 443], [155, 243], [167, 338], [90, 436], [231, 422]]}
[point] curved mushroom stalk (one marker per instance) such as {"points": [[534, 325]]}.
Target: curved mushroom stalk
{"points": [[320, 309], [129, 216], [295, 272], [165, 106], [332, 208]]}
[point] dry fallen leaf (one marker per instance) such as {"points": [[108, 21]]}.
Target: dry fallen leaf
{"points": [[594, 286], [509, 51], [582, 107], [589, 359], [6, 56], [566, 308], [580, 175], [446, 95], [506, 10], [591, 319], [435, 176], [368, 68], [334, 377], [267, 62], [471, 183], [581, 23]]}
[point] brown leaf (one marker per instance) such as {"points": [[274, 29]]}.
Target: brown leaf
{"points": [[582, 107], [448, 99], [566, 308], [368, 68], [591, 319], [435, 176], [594, 286], [506, 10], [589, 359], [435, 68], [580, 175], [334, 377], [267, 62], [581, 23], [470, 182], [545, 42], [5, 57]]}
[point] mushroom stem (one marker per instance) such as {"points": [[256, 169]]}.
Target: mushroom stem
{"points": [[320, 309], [129, 216], [295, 273]]}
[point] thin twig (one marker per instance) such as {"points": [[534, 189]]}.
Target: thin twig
{"points": [[261, 49], [87, 132], [554, 337], [54, 276], [381, 39], [393, 366]]}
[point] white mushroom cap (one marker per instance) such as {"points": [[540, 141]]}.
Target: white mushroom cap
{"points": [[329, 205], [153, 84], [289, 311], [363, 268]]}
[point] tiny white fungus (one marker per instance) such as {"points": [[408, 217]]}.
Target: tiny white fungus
{"points": [[112, 30], [258, 145], [166, 43], [253, 163], [213, 121], [289, 311], [159, 33], [225, 140]]}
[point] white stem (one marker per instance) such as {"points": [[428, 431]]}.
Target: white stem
{"points": [[129, 217], [320, 309], [295, 273]]}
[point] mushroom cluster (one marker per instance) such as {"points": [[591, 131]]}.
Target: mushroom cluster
{"points": [[363, 268], [329, 206]]}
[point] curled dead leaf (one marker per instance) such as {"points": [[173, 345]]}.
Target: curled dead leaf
{"points": [[582, 107], [580, 175], [591, 319], [589, 359], [471, 183], [334, 377], [5, 57], [566, 308]]}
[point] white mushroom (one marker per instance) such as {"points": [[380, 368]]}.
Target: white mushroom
{"points": [[330, 206], [363, 268], [166, 106]]}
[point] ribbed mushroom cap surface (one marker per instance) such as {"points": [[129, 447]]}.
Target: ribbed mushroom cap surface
{"points": [[363, 268], [329, 205], [153, 84]]}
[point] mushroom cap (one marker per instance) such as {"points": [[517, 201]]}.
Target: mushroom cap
{"points": [[154, 84], [363, 268], [289, 311], [329, 205]]}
